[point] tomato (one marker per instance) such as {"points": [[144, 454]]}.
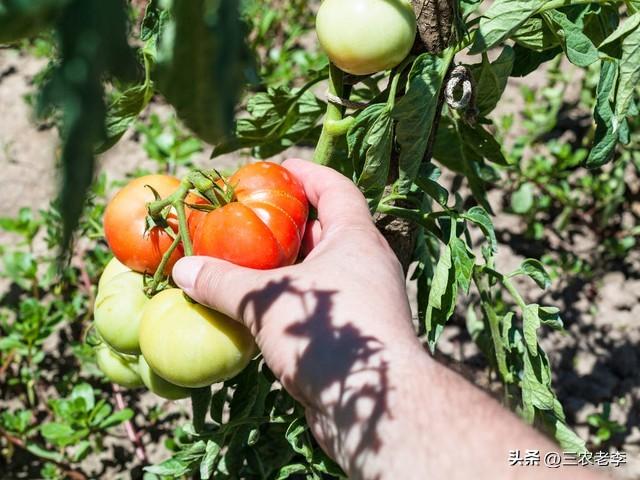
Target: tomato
{"points": [[113, 268], [158, 385], [125, 224], [366, 36], [190, 345], [263, 227], [122, 370], [118, 309]]}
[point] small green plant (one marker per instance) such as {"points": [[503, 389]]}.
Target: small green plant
{"points": [[604, 426]]}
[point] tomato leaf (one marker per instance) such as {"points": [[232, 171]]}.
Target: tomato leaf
{"points": [[605, 137], [527, 61], [579, 48], [491, 80], [24, 18], [501, 19], [415, 113], [535, 270], [203, 64]]}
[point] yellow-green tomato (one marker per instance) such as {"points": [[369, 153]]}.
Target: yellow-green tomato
{"points": [[366, 36], [120, 369], [118, 309], [113, 268], [158, 385], [191, 345]]}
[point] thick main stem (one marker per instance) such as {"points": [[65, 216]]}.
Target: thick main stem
{"points": [[325, 149]]}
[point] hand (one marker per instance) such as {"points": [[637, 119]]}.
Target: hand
{"points": [[325, 326]]}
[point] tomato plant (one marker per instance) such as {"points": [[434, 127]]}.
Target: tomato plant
{"points": [[362, 37]]}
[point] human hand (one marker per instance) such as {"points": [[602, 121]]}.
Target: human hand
{"points": [[326, 326]]}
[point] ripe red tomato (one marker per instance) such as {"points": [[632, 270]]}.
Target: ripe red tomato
{"points": [[124, 225], [263, 227]]}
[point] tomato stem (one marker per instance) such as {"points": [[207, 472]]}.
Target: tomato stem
{"points": [[184, 228], [159, 273], [326, 147]]}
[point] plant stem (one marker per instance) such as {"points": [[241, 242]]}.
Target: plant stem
{"points": [[128, 426], [184, 228], [325, 149], [159, 273], [508, 284]]}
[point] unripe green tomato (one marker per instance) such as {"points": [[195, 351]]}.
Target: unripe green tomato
{"points": [[191, 345], [113, 268], [158, 385], [366, 36], [118, 309], [122, 370]]}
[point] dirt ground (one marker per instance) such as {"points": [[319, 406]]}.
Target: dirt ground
{"points": [[596, 360]]}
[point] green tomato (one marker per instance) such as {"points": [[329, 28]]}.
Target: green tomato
{"points": [[118, 309], [120, 369], [113, 268], [366, 36], [191, 345], [158, 385]]}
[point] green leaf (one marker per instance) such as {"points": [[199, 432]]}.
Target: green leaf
{"points": [[579, 48], [415, 113], [123, 111], [629, 73], [206, 465], [550, 316], [25, 18], [463, 262], [93, 44], [203, 64], [454, 152], [531, 323], [481, 218], [288, 470], [527, 60], [117, 418], [483, 143], [606, 137], [501, 19], [375, 170], [427, 181], [612, 44], [38, 451], [522, 199], [440, 278], [279, 118], [85, 392], [56, 433], [536, 271], [536, 35], [491, 80]]}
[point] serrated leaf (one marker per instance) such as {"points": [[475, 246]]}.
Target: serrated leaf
{"points": [[481, 218], [501, 19], [629, 73], [579, 48], [279, 118], [491, 80], [203, 64], [210, 454], [535, 270], [463, 262], [415, 112], [531, 323], [605, 137]]}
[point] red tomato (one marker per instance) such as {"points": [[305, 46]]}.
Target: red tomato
{"points": [[263, 227], [124, 225]]}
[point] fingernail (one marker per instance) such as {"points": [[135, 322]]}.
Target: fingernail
{"points": [[185, 272]]}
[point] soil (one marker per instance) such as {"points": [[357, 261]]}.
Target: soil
{"points": [[595, 360]]}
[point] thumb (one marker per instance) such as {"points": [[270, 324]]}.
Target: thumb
{"points": [[218, 284]]}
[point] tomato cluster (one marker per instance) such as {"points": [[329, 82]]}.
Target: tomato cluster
{"points": [[154, 336]]}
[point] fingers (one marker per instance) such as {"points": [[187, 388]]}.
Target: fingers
{"points": [[337, 199], [216, 283]]}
